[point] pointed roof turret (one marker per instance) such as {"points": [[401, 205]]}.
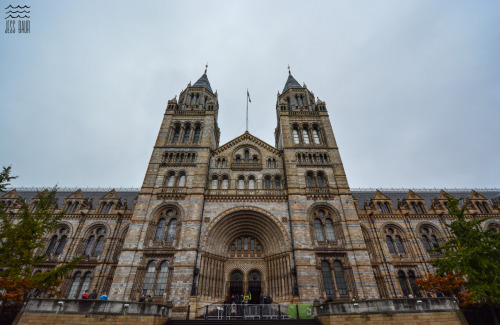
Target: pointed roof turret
{"points": [[291, 82], [203, 81]]}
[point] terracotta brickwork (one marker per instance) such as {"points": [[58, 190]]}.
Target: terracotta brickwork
{"points": [[211, 220]]}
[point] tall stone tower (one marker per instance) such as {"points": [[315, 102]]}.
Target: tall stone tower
{"points": [[326, 231], [160, 249]]}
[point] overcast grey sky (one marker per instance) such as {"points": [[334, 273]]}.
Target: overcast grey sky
{"points": [[412, 87]]}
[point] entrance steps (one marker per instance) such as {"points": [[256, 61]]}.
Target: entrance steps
{"points": [[246, 322]]}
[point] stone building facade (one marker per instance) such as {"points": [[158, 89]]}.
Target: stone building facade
{"points": [[212, 220]]}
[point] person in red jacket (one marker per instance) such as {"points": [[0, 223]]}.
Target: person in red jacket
{"points": [[85, 295]]}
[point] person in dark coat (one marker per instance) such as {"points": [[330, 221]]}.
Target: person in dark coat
{"points": [[93, 295]]}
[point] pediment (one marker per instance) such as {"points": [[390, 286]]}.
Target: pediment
{"points": [[246, 140], [77, 195], [380, 196], [111, 195], [412, 196], [443, 195], [11, 195], [476, 196]]}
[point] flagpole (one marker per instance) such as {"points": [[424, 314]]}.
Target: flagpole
{"points": [[247, 110]]}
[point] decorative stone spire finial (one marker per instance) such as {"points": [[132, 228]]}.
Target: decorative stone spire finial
{"points": [[289, 70], [206, 67]]}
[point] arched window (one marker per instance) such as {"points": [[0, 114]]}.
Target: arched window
{"points": [[161, 281], [172, 229], [241, 183], [149, 279], [225, 183], [75, 207], [61, 245], [429, 238], [187, 132], [305, 135], [390, 244], [414, 207], [52, 244], [277, 183], [413, 283], [426, 242], [330, 232], [215, 183], [321, 181], [239, 244], [267, 183], [238, 159], [90, 245], [435, 243], [387, 209], [252, 244], [399, 245], [379, 206], [421, 207], [403, 283], [160, 229], [197, 133], [251, 183], [110, 207], [310, 180], [182, 180], [486, 208], [98, 246], [69, 207], [340, 277], [255, 160], [327, 278], [296, 138], [85, 284], [247, 156], [177, 132], [318, 230], [223, 162], [316, 136], [77, 278], [171, 180]]}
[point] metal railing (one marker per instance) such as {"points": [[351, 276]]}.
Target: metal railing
{"points": [[244, 311]]}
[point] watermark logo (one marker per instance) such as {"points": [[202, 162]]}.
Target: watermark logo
{"points": [[17, 19]]}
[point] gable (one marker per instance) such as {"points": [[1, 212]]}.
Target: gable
{"points": [[246, 140], [412, 196], [111, 195], [77, 195]]}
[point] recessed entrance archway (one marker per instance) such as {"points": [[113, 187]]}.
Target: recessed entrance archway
{"points": [[255, 286], [236, 284]]}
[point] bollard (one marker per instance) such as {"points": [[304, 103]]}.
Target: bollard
{"points": [[187, 315], [279, 311], [206, 312], [297, 308]]}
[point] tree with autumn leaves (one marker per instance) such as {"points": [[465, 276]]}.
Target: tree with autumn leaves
{"points": [[469, 266], [22, 234]]}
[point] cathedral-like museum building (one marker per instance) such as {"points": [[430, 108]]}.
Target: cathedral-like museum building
{"points": [[213, 220]]}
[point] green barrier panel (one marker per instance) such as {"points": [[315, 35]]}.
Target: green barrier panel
{"points": [[305, 311]]}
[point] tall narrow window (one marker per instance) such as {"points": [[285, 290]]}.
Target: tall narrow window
{"points": [[413, 283], [177, 132], [327, 278], [77, 278], [239, 244], [426, 243], [330, 232], [485, 206], [52, 244], [238, 159], [149, 279], [400, 246], [295, 133], [110, 207], [171, 180], [187, 132], [160, 230], [215, 183], [225, 183], [251, 184], [267, 183], [414, 207], [318, 230], [245, 243], [85, 284], [75, 207], [172, 229], [316, 136], [182, 180], [61, 245], [277, 182], [252, 244], [98, 246], [387, 209], [390, 244], [321, 181], [161, 281], [90, 245], [310, 180], [197, 133], [403, 283], [247, 156], [305, 135], [340, 277], [435, 243], [241, 184], [255, 160], [421, 207]]}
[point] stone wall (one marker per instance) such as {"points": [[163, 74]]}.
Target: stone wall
{"points": [[392, 311]]}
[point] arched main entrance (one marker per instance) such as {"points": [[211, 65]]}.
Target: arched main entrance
{"points": [[255, 286], [236, 283]]}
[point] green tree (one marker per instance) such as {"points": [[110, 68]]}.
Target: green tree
{"points": [[22, 234], [474, 254]]}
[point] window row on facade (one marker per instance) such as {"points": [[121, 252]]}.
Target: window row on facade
{"points": [[312, 158], [247, 182], [175, 179], [186, 133], [316, 179], [179, 158], [306, 134]]}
